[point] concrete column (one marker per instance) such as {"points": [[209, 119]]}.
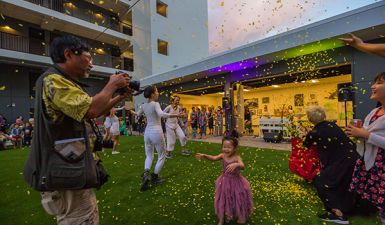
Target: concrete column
{"points": [[239, 109]]}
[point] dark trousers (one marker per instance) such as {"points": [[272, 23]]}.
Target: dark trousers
{"points": [[332, 186]]}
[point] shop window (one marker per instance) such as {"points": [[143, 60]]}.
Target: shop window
{"points": [[161, 8], [162, 47]]}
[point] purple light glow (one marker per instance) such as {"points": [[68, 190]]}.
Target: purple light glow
{"points": [[236, 66]]}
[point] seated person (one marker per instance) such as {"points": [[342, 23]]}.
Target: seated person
{"points": [[27, 134], [16, 135], [3, 138], [337, 158]]}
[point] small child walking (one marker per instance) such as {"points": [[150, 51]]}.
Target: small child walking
{"points": [[233, 196]]}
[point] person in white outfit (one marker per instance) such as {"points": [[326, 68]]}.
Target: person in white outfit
{"points": [[173, 129], [153, 136], [112, 127]]}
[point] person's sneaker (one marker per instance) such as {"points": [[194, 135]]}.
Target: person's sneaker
{"points": [[115, 152], [156, 180], [186, 152], [168, 155], [331, 217], [145, 180]]}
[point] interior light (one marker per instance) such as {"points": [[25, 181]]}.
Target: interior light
{"points": [[100, 51], [275, 86], [8, 29], [98, 15], [69, 5]]}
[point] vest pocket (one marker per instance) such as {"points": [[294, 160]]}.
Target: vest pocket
{"points": [[72, 150], [65, 175]]}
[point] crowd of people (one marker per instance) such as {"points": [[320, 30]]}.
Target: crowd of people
{"points": [[18, 133], [347, 168]]}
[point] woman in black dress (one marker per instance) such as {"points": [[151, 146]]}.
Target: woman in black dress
{"points": [[337, 157]]}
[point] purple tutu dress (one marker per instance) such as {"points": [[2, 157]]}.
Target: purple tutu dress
{"points": [[233, 196]]}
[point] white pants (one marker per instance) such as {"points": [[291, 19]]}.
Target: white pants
{"points": [[154, 138], [171, 137]]}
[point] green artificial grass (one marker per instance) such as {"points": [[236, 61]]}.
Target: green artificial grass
{"points": [[186, 197]]}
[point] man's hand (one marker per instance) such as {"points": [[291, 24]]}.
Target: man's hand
{"points": [[353, 41], [119, 81]]}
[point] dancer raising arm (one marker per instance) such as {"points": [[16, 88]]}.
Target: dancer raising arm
{"points": [[153, 136]]}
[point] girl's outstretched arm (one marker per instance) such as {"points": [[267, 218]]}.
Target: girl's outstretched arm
{"points": [[239, 164], [201, 156]]}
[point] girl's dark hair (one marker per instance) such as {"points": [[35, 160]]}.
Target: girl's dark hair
{"points": [[60, 44], [380, 76], [234, 140], [148, 91]]}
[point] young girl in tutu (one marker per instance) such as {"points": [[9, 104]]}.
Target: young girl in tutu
{"points": [[233, 197]]}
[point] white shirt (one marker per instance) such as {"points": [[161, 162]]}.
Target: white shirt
{"points": [[112, 123], [172, 122], [376, 139], [153, 114]]}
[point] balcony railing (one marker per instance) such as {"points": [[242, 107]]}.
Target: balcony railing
{"points": [[112, 61], [69, 8], [37, 47], [14, 42]]}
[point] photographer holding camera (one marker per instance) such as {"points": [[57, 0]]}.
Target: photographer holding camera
{"points": [[61, 164]]}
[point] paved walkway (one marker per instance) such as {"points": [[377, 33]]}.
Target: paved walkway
{"points": [[247, 141], [250, 141]]}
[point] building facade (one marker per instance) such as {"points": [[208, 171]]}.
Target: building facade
{"points": [[286, 73], [137, 37]]}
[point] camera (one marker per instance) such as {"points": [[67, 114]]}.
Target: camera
{"points": [[133, 85]]}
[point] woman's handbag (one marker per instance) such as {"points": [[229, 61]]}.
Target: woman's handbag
{"points": [[108, 143]]}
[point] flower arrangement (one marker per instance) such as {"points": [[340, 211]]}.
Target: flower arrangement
{"points": [[292, 127], [296, 129]]}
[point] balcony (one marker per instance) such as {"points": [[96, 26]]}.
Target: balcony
{"points": [[37, 47], [22, 44], [71, 9], [88, 22]]}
